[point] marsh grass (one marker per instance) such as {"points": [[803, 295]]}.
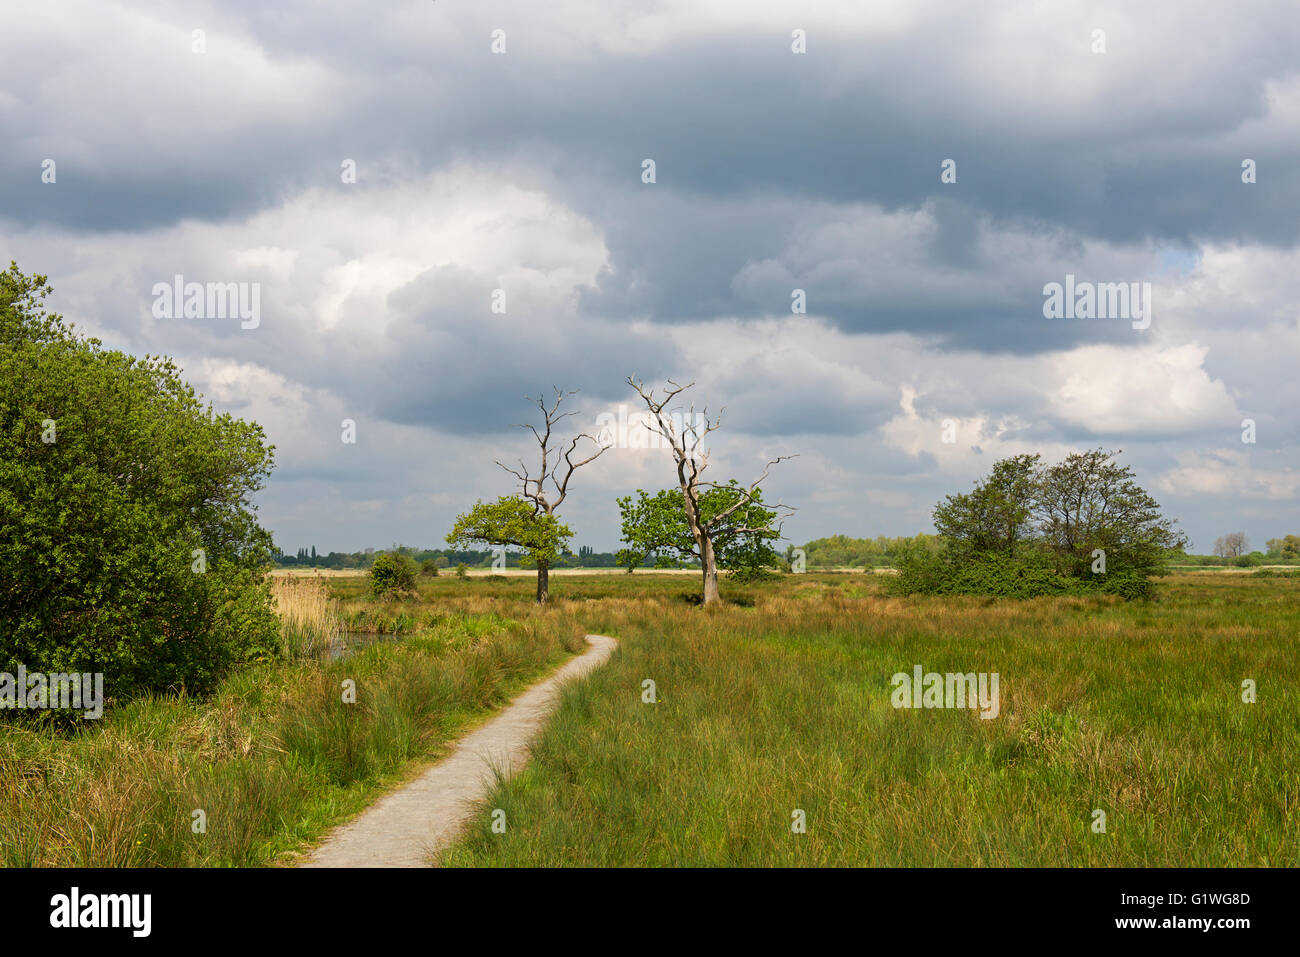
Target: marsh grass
{"points": [[777, 700], [272, 759], [1131, 708], [310, 623]]}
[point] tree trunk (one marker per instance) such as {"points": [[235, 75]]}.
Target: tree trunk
{"points": [[543, 582], [709, 562]]}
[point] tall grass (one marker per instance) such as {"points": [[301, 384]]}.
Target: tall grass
{"points": [[776, 701], [310, 623], [1134, 709], [272, 759]]}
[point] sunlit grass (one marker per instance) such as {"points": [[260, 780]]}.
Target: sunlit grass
{"points": [[271, 760], [310, 623], [776, 701], [1131, 709]]}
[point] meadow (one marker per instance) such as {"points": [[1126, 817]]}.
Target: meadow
{"points": [[773, 703], [782, 703], [275, 756]]}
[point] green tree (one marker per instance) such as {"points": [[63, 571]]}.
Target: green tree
{"points": [[997, 515], [1286, 548], [392, 575], [1089, 502], [685, 434], [655, 527], [511, 520], [129, 544], [528, 520], [1082, 524]]}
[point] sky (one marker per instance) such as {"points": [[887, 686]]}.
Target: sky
{"points": [[444, 208]]}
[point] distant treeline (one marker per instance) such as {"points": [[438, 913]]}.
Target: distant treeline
{"points": [[585, 557], [841, 551], [837, 551]]}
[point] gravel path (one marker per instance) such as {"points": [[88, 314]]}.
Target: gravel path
{"points": [[407, 827]]}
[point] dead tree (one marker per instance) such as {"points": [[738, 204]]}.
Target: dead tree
{"points": [[685, 438], [556, 468]]}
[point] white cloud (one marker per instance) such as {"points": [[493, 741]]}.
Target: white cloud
{"points": [[1153, 390]]}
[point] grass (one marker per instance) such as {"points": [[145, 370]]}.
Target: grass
{"points": [[1132, 709], [271, 760], [310, 624], [776, 702]]}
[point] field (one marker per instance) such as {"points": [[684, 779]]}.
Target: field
{"points": [[775, 703], [271, 760], [1132, 709]]}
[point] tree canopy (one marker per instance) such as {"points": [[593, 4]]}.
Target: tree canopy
{"points": [[511, 520], [1026, 529], [129, 542], [655, 527]]}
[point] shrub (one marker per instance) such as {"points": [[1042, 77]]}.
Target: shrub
{"points": [[752, 575], [128, 544], [429, 568], [392, 575], [1032, 530], [462, 570], [1028, 573], [1275, 573]]}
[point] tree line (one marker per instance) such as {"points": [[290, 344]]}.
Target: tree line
{"points": [[363, 559]]}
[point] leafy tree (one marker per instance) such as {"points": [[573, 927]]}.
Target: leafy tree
{"points": [[528, 520], [685, 435], [1286, 548], [129, 544], [1082, 524], [1090, 502], [997, 515], [655, 527], [511, 520], [392, 575]]}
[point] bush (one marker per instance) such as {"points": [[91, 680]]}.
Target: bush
{"points": [[752, 575], [462, 570], [1027, 574], [1274, 573], [392, 575], [127, 542], [1030, 529], [429, 568], [927, 572]]}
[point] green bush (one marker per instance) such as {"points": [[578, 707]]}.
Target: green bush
{"points": [[1027, 574], [1030, 529], [392, 575], [752, 575], [429, 568], [128, 544]]}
